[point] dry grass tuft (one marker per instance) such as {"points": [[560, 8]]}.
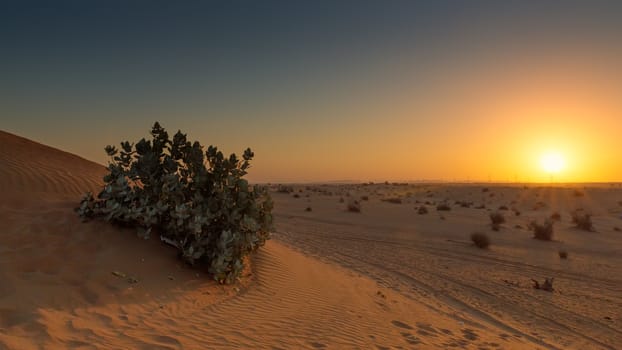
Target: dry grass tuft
{"points": [[480, 240]]}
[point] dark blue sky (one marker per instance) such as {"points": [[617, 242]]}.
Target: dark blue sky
{"points": [[241, 73]]}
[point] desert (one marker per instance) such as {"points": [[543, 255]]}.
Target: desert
{"points": [[350, 174], [384, 277]]}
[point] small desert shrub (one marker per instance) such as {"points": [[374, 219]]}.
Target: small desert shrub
{"points": [[542, 231], [296, 195], [497, 218], [443, 207], [422, 210], [285, 189], [480, 240], [503, 207], [365, 198], [616, 228], [578, 193], [308, 209], [485, 189], [394, 200], [194, 198], [556, 216], [582, 220], [563, 254], [516, 212], [547, 285], [354, 206], [539, 205], [481, 206]]}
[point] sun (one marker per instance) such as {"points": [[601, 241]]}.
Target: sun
{"points": [[552, 162]]}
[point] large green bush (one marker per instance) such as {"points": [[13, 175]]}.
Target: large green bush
{"points": [[195, 199]]}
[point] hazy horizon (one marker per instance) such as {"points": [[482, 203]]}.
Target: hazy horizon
{"points": [[322, 91]]}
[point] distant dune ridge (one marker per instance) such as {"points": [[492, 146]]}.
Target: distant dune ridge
{"points": [[381, 278]]}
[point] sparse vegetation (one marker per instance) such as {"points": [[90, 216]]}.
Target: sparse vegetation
{"points": [[197, 200], [542, 231], [354, 206], [582, 220], [480, 240], [284, 189], [308, 209], [422, 210], [563, 254], [364, 198], [497, 218], [394, 200], [556, 216], [547, 285], [443, 207]]}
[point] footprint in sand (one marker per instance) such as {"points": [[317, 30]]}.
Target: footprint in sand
{"points": [[469, 334], [401, 324], [317, 345]]}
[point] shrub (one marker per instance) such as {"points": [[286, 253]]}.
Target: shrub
{"points": [[284, 189], [563, 254], [480, 240], [365, 198], [308, 209], [443, 207], [354, 206], [497, 218], [296, 195], [503, 207], [422, 210], [582, 220], [394, 200], [542, 231], [556, 216], [197, 200]]}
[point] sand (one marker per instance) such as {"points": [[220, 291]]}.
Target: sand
{"points": [[384, 278]]}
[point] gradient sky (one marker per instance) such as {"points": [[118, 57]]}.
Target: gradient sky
{"points": [[327, 90]]}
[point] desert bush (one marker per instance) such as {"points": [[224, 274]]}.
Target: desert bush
{"points": [[503, 207], [195, 199], [582, 220], [556, 216], [364, 198], [563, 254], [542, 231], [308, 209], [443, 207], [422, 210], [284, 189], [354, 206], [547, 285], [394, 200], [497, 218], [480, 240]]}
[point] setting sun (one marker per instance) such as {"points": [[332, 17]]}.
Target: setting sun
{"points": [[552, 162]]}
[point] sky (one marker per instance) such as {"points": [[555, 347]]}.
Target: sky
{"points": [[328, 90]]}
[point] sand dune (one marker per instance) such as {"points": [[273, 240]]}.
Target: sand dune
{"points": [[385, 278]]}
